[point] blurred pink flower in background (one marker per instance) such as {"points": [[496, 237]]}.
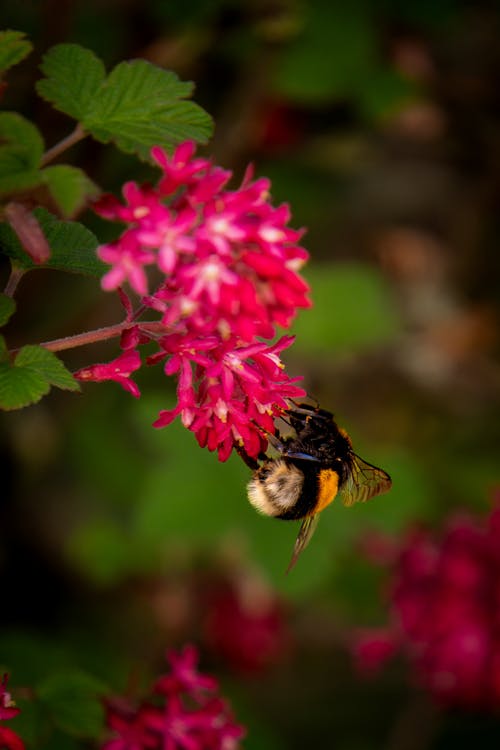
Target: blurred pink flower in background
{"points": [[445, 596], [245, 626], [9, 740], [8, 708], [372, 647], [189, 715]]}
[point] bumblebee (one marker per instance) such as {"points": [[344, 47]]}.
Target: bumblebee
{"points": [[312, 468]]}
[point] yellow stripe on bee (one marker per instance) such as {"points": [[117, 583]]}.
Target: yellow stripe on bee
{"points": [[328, 481], [345, 435]]}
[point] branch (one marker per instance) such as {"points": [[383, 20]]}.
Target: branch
{"points": [[15, 277], [77, 135], [99, 334]]}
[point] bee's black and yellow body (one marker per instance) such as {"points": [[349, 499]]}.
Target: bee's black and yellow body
{"points": [[284, 490], [313, 466]]}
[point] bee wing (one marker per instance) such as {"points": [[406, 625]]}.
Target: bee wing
{"points": [[301, 456], [364, 481], [304, 537]]}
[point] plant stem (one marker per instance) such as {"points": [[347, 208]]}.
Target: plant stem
{"points": [[99, 334], [77, 135], [15, 277]]}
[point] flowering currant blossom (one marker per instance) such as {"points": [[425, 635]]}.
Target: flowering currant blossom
{"points": [[445, 597], [220, 269], [184, 713], [118, 370]]}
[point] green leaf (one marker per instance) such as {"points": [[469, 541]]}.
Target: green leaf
{"points": [[21, 148], [69, 186], [139, 105], [20, 387], [30, 376], [13, 48], [45, 363], [74, 76], [7, 308], [73, 246], [73, 701]]}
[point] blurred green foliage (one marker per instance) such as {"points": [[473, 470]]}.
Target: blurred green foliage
{"points": [[352, 310], [353, 69]]}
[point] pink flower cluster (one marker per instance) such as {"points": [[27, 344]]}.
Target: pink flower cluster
{"points": [[226, 268], [446, 613], [8, 738], [228, 261], [187, 715]]}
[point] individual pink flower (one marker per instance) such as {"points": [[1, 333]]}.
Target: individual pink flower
{"points": [[171, 235], [184, 675], [180, 168], [445, 596], [141, 203], [128, 259], [129, 728], [118, 370]]}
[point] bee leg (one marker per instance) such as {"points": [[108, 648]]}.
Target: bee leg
{"points": [[281, 445], [304, 537], [313, 412], [252, 463], [276, 442]]}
